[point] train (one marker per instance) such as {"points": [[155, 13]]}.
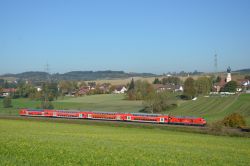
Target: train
{"points": [[115, 116]]}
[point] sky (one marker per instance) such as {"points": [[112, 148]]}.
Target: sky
{"points": [[155, 36]]}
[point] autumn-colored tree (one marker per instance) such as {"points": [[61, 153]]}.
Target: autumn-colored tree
{"points": [[234, 120], [157, 102], [171, 80], [189, 88], [139, 90], [203, 85]]}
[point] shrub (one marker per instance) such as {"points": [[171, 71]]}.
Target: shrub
{"points": [[47, 105], [234, 120], [216, 127], [159, 101], [7, 102]]}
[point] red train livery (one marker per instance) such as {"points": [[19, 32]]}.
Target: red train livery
{"points": [[134, 117]]}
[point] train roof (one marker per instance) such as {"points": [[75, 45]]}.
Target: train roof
{"points": [[145, 114], [112, 113], [35, 110], [187, 117]]}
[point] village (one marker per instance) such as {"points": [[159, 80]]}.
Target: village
{"points": [[81, 88]]}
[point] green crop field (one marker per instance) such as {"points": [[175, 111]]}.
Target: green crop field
{"points": [[45, 143]]}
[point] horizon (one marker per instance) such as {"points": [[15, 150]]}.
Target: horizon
{"points": [[222, 71], [132, 36]]}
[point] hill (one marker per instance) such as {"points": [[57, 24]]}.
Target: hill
{"points": [[76, 75], [243, 71], [215, 108]]}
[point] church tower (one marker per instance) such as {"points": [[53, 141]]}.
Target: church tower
{"points": [[229, 77]]}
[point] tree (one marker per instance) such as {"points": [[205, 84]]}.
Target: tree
{"points": [[234, 120], [156, 81], [2, 83], [218, 79], [171, 80], [65, 87], [230, 87], [7, 102], [46, 105], [157, 102], [189, 88], [131, 85], [47, 95], [203, 85], [247, 77], [81, 84], [139, 90]]}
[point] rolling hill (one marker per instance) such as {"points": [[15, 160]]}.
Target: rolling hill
{"points": [[76, 75], [215, 108]]}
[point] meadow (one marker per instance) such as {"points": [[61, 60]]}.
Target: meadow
{"points": [[110, 102], [215, 108], [211, 108], [46, 143], [106, 102]]}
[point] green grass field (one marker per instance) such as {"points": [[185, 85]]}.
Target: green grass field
{"points": [[46, 143], [108, 102], [211, 108], [215, 108]]}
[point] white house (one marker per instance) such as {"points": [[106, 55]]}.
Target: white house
{"points": [[38, 88], [246, 83], [5, 94], [178, 88], [120, 90]]}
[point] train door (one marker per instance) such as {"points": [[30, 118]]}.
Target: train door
{"points": [[42, 113], [54, 114], [118, 117], [80, 115], [128, 117], [161, 119], [90, 116]]}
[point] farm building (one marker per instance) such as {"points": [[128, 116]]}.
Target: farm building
{"points": [[120, 90]]}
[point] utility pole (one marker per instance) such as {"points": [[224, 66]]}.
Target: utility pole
{"points": [[47, 71], [215, 63], [45, 87]]}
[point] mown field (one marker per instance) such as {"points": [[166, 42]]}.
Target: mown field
{"points": [[211, 108], [110, 102], [45, 143], [215, 108]]}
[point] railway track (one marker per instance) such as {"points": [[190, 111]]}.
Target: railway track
{"points": [[145, 125], [97, 121]]}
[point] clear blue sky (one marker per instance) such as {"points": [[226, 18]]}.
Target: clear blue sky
{"points": [[132, 35]]}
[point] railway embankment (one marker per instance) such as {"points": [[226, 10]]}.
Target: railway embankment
{"points": [[209, 129]]}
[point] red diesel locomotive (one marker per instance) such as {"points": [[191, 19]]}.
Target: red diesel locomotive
{"points": [[134, 117]]}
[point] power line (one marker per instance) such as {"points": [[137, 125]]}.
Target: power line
{"points": [[215, 63], [47, 70]]}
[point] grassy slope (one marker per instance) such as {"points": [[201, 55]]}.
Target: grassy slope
{"points": [[40, 143], [212, 108], [18, 103], [111, 103], [215, 108]]}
